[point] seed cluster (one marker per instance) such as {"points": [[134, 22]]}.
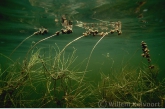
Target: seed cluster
{"points": [[57, 33], [66, 31], [91, 32], [93, 28], [41, 31], [146, 54], [117, 28], [94, 33], [67, 24]]}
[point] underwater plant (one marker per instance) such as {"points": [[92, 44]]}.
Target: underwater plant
{"points": [[139, 87], [68, 25], [52, 79], [49, 80]]}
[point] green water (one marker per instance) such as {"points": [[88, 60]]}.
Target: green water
{"points": [[21, 18]]}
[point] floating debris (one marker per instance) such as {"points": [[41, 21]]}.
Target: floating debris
{"points": [[145, 10]]}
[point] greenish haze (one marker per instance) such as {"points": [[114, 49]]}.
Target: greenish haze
{"points": [[114, 57]]}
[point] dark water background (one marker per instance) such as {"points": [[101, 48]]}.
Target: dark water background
{"points": [[21, 18]]}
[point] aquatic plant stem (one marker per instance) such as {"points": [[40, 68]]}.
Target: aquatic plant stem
{"points": [[90, 57], [7, 57], [70, 43], [39, 42], [93, 50], [129, 60], [21, 43]]}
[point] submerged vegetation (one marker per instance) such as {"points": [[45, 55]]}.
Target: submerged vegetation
{"points": [[52, 80], [41, 81]]}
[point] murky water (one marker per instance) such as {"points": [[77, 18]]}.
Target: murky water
{"points": [[19, 19], [141, 21]]}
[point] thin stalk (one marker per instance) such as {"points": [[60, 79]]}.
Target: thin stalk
{"points": [[21, 43], [90, 57], [7, 57], [69, 44], [39, 42]]}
